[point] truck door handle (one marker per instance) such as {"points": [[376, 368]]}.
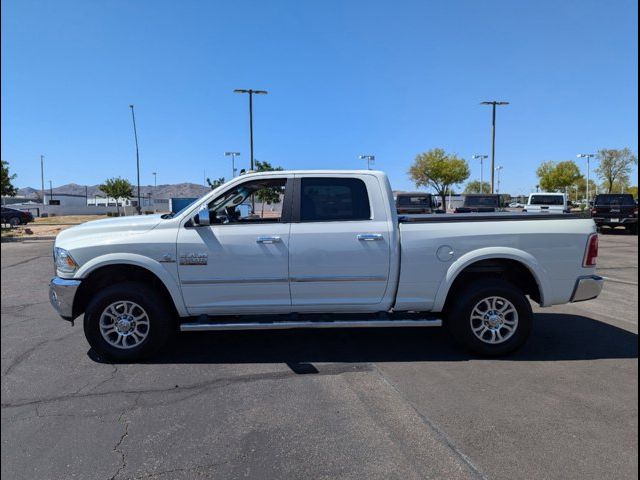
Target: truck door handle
{"points": [[268, 240], [369, 237]]}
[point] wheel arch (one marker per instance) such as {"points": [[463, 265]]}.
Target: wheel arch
{"points": [[517, 266], [107, 271]]}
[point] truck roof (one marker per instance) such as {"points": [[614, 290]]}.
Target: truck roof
{"points": [[377, 173], [547, 193], [412, 193]]}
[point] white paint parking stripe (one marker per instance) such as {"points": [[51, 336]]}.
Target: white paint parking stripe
{"points": [[615, 280]]}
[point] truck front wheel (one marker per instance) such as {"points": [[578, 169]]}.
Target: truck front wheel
{"points": [[491, 319], [127, 321]]}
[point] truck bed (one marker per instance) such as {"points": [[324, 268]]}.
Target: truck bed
{"points": [[488, 217]]}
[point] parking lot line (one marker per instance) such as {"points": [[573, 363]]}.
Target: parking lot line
{"points": [[609, 279]]}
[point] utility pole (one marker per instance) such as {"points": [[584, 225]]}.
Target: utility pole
{"points": [[493, 103], [135, 135], [50, 191], [233, 156], [251, 92], [588, 156], [155, 185], [482, 158], [42, 180], [369, 158], [498, 169]]}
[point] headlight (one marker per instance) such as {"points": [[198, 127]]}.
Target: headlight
{"points": [[64, 261]]}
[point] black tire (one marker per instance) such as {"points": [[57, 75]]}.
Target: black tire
{"points": [[14, 221], [160, 318], [459, 322], [633, 229]]}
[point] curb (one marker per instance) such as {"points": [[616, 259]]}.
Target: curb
{"points": [[23, 239]]}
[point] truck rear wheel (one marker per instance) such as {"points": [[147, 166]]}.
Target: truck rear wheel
{"points": [[491, 319], [127, 321]]}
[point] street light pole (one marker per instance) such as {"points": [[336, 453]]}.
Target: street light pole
{"points": [[498, 169], [493, 103], [369, 159], [50, 191], [42, 180], [155, 185], [588, 156], [233, 156], [482, 158], [251, 92], [135, 135]]}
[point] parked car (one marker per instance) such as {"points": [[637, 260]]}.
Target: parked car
{"points": [[15, 217], [338, 249], [613, 210], [516, 205], [415, 203], [547, 203], [480, 203]]}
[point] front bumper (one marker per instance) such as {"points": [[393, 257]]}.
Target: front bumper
{"points": [[62, 292], [587, 288]]}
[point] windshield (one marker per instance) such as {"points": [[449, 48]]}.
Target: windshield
{"points": [[414, 200], [546, 200], [615, 200], [480, 201]]}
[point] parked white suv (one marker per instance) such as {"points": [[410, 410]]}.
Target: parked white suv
{"points": [[547, 203]]}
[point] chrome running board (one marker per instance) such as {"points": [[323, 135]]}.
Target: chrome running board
{"points": [[284, 325]]}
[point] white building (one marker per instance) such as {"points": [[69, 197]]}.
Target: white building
{"points": [[65, 199]]}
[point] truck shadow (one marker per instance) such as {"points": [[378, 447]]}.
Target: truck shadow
{"points": [[554, 337]]}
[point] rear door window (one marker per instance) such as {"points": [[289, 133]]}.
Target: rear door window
{"points": [[333, 199]]}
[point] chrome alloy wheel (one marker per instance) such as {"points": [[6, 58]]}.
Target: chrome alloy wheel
{"points": [[124, 324], [494, 320]]}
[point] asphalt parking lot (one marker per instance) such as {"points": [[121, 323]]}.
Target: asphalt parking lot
{"points": [[336, 404]]}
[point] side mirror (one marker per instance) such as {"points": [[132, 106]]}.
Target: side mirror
{"points": [[202, 218]]}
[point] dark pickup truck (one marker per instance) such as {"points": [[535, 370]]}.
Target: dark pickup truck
{"points": [[416, 203], [613, 210], [479, 204]]}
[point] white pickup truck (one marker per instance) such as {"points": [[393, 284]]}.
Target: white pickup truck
{"points": [[336, 255]]}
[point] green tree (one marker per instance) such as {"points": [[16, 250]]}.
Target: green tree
{"points": [[581, 185], [619, 186], [269, 195], [475, 186], [117, 188], [215, 183], [266, 167], [8, 190], [633, 191], [558, 176], [438, 170], [615, 166]]}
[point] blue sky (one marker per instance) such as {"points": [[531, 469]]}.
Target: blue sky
{"points": [[344, 78]]}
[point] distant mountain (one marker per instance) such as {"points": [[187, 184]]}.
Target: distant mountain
{"points": [[178, 190], [27, 192]]}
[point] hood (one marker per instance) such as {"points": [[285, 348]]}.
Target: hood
{"points": [[124, 225]]}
